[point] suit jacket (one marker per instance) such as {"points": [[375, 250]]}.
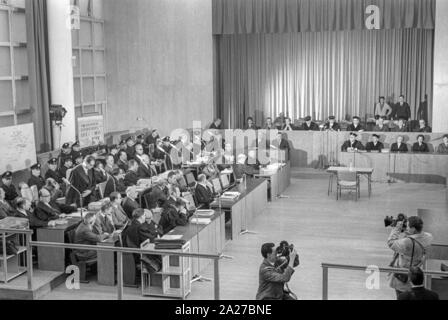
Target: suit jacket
{"points": [[171, 218], [240, 169], [144, 172], [425, 129], [103, 225], [290, 128], [420, 148], [45, 213], [130, 151], [335, 127], [6, 210], [383, 129], [312, 127], [100, 177], [443, 149], [398, 129], [271, 281], [10, 192], [36, 181], [420, 293], [82, 182], [204, 195], [131, 178], [402, 111], [157, 197], [119, 216], [371, 147], [129, 206], [403, 147], [85, 235], [356, 145], [138, 232], [114, 185], [122, 165], [352, 128], [33, 220]]}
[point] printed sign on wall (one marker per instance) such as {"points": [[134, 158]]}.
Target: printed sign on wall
{"points": [[91, 131]]}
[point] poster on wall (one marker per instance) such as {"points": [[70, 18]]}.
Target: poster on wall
{"points": [[91, 131], [17, 148]]}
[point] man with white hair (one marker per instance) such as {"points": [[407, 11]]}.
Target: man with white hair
{"points": [[129, 202]]}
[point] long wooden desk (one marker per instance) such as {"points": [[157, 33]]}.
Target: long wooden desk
{"points": [[250, 203], [279, 180], [53, 259], [407, 167]]}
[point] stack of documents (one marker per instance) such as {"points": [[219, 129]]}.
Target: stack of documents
{"points": [[205, 213], [201, 220]]}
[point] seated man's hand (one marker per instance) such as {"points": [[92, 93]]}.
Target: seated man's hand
{"points": [[52, 223]]}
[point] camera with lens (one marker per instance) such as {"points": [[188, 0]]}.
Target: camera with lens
{"points": [[283, 251], [392, 222]]}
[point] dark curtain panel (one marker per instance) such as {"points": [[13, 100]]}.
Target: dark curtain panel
{"points": [[339, 73], [283, 16], [39, 78]]}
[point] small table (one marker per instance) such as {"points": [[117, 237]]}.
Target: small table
{"points": [[359, 171]]}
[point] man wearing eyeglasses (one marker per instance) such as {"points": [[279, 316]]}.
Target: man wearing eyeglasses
{"points": [[44, 212]]}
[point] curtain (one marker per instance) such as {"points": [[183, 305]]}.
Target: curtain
{"points": [[339, 73], [39, 78], [290, 16]]}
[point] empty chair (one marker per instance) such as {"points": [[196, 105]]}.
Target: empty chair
{"points": [[347, 181]]}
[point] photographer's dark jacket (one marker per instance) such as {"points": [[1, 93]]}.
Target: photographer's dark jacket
{"points": [[272, 280]]}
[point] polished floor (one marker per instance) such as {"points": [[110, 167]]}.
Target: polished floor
{"points": [[321, 228]]}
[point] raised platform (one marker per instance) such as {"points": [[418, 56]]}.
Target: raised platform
{"points": [[43, 283]]}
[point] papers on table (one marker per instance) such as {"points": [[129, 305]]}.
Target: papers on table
{"points": [[227, 171], [172, 237], [230, 195], [201, 220], [205, 213]]}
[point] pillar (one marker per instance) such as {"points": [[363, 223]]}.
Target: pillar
{"points": [[440, 105], [61, 70]]}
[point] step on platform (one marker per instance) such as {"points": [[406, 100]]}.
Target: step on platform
{"points": [[43, 283]]}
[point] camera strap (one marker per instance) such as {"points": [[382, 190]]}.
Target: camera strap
{"points": [[413, 249]]}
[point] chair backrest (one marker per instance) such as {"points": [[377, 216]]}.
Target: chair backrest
{"points": [[102, 188], [347, 176]]}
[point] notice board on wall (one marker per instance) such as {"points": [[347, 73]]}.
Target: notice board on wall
{"points": [[91, 131], [17, 147]]}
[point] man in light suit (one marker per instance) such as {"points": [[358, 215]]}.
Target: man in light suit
{"points": [[272, 279]]}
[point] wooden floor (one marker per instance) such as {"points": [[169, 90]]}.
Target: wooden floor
{"points": [[323, 230]]}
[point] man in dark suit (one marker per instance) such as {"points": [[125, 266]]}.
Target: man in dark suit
{"points": [[173, 216], [52, 171], [84, 235], [142, 228], [423, 127], [352, 144], [152, 138], [380, 126], [67, 163], [103, 222], [399, 146], [130, 148], [280, 148], [204, 194], [375, 145], [144, 170], [418, 291], [332, 125], [420, 145], [401, 127], [250, 124], [44, 212], [122, 161], [76, 151], [402, 110], [115, 183], [309, 125], [288, 126], [36, 179], [131, 178], [271, 279], [82, 178], [66, 152], [8, 187], [355, 126], [157, 197], [129, 203]]}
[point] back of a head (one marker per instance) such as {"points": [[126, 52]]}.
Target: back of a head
{"points": [[416, 222], [138, 213], [266, 249], [202, 177], [416, 275]]}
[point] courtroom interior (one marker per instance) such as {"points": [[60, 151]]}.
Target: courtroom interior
{"points": [[223, 150]]}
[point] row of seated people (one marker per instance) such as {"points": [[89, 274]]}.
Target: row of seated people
{"points": [[399, 146]]}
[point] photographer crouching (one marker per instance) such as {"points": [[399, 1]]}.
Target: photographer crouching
{"points": [[409, 243], [276, 271]]}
